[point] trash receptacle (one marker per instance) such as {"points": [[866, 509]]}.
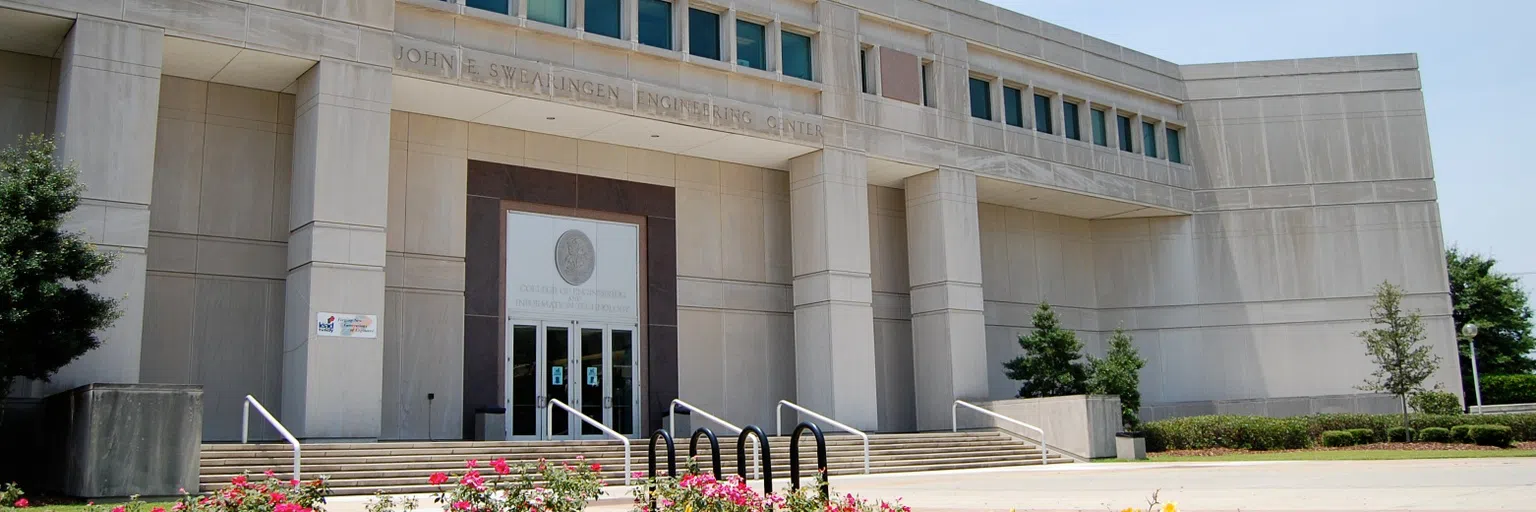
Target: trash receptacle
{"points": [[491, 424]]}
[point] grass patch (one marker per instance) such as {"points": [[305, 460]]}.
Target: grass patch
{"points": [[103, 505], [1343, 455]]}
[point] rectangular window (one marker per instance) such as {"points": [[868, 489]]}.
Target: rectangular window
{"points": [[1013, 106], [981, 99], [1042, 114], [1069, 118], [496, 6], [1123, 130], [1175, 152], [927, 100], [1149, 139], [703, 34], [796, 54], [547, 11], [656, 23], [1100, 132], [751, 45], [864, 78], [602, 17]]}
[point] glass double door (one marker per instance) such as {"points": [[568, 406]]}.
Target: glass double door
{"points": [[588, 366]]}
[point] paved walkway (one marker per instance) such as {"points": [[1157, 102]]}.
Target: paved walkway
{"points": [[1455, 484]]}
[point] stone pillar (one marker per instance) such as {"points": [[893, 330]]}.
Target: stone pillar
{"points": [[109, 101], [949, 344], [333, 386], [834, 320]]}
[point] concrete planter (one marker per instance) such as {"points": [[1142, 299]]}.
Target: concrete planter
{"points": [[111, 440], [1081, 425], [1130, 446]]}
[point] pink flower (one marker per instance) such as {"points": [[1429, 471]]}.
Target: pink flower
{"points": [[287, 507], [179, 506], [270, 473], [438, 478], [473, 479], [474, 463], [277, 497], [581, 457], [293, 483], [157, 509], [461, 505], [238, 481], [119, 508], [501, 467], [22, 503]]}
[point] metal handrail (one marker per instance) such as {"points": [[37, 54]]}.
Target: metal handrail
{"points": [[672, 425], [588, 419], [245, 429], [954, 424], [778, 426]]}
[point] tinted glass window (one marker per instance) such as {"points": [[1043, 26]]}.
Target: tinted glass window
{"points": [[1042, 114], [656, 23], [981, 98], [497, 6], [797, 54], [602, 17], [1123, 129], [1013, 107], [547, 11], [1175, 152], [1069, 119], [1149, 139], [1100, 132], [704, 34], [751, 46]]}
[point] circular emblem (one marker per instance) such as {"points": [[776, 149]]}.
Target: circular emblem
{"points": [[574, 258]]}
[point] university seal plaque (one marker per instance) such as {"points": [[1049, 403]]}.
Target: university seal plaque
{"points": [[574, 258]]}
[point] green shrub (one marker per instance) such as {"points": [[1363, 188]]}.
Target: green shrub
{"points": [[1318, 423], [1363, 435], [1509, 389], [1459, 434], [1338, 438], [1399, 435], [1239, 432], [1435, 435], [1491, 435], [1435, 402]]}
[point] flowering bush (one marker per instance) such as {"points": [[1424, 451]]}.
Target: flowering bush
{"points": [[10, 496], [242, 495], [543, 487], [695, 491]]}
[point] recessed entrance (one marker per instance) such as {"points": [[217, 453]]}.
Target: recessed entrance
{"points": [[572, 326]]}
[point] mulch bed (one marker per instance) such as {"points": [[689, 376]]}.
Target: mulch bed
{"points": [[1527, 445]]}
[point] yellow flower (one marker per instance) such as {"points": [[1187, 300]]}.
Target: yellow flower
{"points": [[1170, 507], [1128, 509]]}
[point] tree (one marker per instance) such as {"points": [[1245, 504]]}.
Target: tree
{"points": [[1495, 301], [1049, 366], [47, 316], [1119, 373], [1402, 362]]}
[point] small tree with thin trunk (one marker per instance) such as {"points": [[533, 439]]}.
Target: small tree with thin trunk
{"points": [[1402, 362], [47, 316], [1119, 374]]}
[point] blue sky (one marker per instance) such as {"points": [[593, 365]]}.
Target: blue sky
{"points": [[1475, 59]]}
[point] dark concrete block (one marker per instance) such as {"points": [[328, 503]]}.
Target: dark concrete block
{"points": [[125, 439]]}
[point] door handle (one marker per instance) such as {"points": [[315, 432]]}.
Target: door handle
{"points": [[539, 401], [607, 402]]}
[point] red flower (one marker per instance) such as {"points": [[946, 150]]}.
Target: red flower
{"points": [[277, 497], [238, 481], [461, 505], [501, 467], [596, 467], [474, 463], [119, 508], [438, 478], [157, 509], [21, 503], [294, 482]]}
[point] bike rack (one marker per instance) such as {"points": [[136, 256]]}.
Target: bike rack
{"points": [[741, 462], [661, 433], [821, 458], [714, 448]]}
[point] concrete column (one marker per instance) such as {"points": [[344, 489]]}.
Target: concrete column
{"points": [[109, 101], [332, 386], [834, 319], [949, 346]]}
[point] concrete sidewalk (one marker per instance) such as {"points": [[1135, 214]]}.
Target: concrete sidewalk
{"points": [[1423, 485]]}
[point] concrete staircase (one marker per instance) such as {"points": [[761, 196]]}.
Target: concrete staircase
{"points": [[403, 467]]}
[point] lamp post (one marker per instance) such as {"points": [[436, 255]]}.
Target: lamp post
{"points": [[1470, 331]]}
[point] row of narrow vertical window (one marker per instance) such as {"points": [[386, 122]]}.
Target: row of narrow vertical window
{"points": [[655, 30], [1013, 115]]}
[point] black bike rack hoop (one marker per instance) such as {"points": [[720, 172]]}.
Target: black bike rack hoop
{"points": [[741, 456], [714, 448], [821, 457], [671, 453]]}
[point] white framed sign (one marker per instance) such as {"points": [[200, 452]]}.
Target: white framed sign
{"points": [[346, 325], [572, 268]]}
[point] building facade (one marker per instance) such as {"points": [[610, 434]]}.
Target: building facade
{"points": [[380, 217]]}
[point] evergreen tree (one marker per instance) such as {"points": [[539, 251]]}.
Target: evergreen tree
{"points": [[1402, 362], [47, 316], [1050, 365], [1119, 373]]}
